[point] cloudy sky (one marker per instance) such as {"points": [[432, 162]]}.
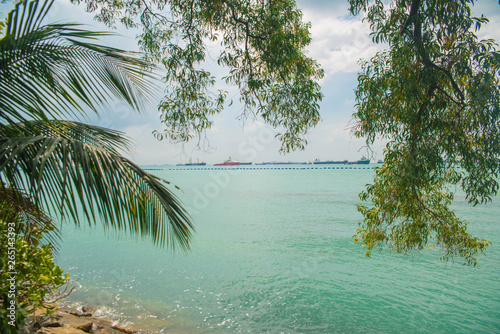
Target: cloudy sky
{"points": [[339, 41]]}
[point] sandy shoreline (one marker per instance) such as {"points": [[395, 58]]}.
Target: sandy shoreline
{"points": [[66, 320]]}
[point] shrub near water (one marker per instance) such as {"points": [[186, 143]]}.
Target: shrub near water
{"points": [[28, 273]]}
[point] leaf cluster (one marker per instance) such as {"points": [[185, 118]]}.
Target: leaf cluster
{"points": [[67, 169], [434, 94], [51, 71], [28, 274], [70, 168], [74, 168], [407, 215], [262, 43]]}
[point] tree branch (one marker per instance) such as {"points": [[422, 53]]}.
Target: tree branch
{"points": [[414, 19]]}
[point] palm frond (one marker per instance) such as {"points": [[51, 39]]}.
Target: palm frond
{"points": [[30, 222], [75, 170], [53, 70]]}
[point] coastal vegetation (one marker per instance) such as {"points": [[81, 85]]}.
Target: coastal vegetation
{"points": [[53, 169], [435, 96]]}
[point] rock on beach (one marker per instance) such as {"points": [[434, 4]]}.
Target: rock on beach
{"points": [[65, 320]]}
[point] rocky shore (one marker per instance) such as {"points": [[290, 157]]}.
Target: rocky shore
{"points": [[65, 320]]}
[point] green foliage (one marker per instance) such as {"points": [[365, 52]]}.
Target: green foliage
{"points": [[28, 274], [70, 162], [435, 96], [69, 168], [65, 167], [53, 71], [262, 44]]}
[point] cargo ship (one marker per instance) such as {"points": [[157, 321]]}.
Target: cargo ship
{"points": [[231, 162], [318, 162], [190, 163], [362, 161], [288, 163], [280, 163]]}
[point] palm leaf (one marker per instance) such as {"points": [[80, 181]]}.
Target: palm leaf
{"points": [[50, 71], [75, 170], [30, 221], [69, 168]]}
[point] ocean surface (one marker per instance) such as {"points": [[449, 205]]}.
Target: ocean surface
{"points": [[273, 253]]}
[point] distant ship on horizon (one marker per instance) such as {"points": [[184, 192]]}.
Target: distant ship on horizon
{"points": [[191, 163], [329, 162], [280, 163], [362, 161], [231, 162]]}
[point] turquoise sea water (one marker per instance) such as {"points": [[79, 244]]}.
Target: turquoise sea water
{"points": [[273, 253]]}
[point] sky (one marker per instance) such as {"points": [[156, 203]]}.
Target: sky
{"points": [[338, 42]]}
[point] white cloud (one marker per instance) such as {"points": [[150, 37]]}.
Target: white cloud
{"points": [[339, 41]]}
